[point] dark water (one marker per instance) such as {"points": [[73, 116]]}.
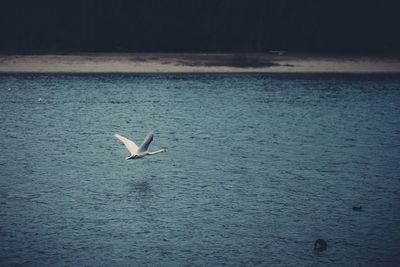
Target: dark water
{"points": [[258, 167]]}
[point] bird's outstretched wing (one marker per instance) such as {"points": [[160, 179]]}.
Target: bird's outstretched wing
{"points": [[145, 145], [130, 145]]}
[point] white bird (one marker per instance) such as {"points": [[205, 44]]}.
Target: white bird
{"points": [[139, 152]]}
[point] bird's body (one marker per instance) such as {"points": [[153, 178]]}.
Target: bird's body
{"points": [[142, 150]]}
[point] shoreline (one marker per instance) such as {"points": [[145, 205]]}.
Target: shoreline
{"points": [[157, 63]]}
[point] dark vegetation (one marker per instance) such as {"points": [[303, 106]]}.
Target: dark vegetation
{"points": [[237, 60], [353, 26]]}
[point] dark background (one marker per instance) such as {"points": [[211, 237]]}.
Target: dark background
{"points": [[42, 26]]}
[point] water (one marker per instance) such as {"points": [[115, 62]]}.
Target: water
{"points": [[258, 167]]}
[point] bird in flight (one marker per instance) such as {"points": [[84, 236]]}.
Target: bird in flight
{"points": [[142, 150]]}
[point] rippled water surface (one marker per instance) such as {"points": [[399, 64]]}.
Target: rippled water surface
{"points": [[258, 167]]}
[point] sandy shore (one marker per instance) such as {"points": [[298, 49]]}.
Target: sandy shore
{"points": [[197, 63]]}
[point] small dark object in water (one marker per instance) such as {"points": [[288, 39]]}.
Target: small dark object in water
{"points": [[357, 208], [320, 245]]}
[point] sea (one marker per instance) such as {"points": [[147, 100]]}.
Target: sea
{"points": [[258, 167]]}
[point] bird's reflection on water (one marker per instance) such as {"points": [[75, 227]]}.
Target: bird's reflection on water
{"points": [[140, 188]]}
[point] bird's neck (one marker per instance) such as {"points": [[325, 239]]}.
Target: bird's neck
{"points": [[156, 152]]}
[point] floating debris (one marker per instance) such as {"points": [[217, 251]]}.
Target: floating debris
{"points": [[320, 245], [359, 208]]}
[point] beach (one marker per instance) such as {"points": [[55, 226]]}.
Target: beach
{"points": [[275, 62]]}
